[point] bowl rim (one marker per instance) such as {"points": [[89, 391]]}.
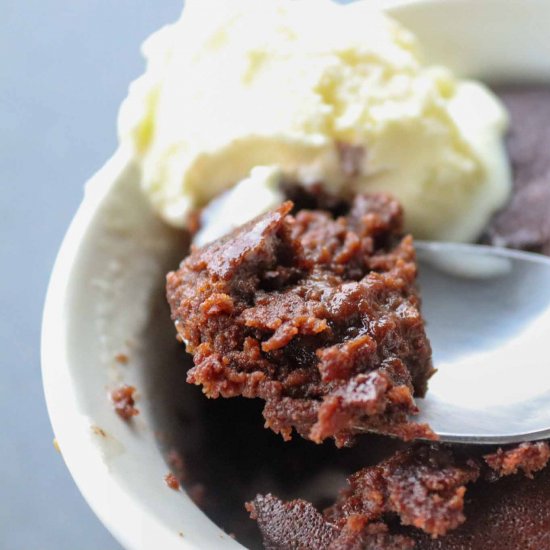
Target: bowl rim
{"points": [[57, 378]]}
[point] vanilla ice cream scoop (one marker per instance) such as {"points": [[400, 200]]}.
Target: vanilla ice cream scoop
{"points": [[319, 92]]}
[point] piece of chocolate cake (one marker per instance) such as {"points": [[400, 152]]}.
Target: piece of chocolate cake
{"points": [[317, 315], [423, 486], [525, 222]]}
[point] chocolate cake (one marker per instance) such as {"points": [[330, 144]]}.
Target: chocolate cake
{"points": [[124, 402], [525, 222], [318, 316], [423, 486]]}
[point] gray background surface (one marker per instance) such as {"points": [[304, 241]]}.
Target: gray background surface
{"points": [[65, 66]]}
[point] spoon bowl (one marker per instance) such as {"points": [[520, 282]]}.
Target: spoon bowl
{"points": [[488, 319]]}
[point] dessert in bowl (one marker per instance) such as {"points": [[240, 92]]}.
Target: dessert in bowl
{"points": [[107, 299]]}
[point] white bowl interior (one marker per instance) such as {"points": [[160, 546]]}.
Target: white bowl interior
{"points": [[106, 297]]}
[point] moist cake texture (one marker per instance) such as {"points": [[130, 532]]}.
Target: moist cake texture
{"points": [[527, 458], [124, 402], [316, 315], [423, 486]]}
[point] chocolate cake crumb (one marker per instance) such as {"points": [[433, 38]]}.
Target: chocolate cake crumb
{"points": [[527, 457], [423, 485], [317, 315], [124, 403], [298, 525], [295, 524], [121, 358], [373, 536], [171, 481]]}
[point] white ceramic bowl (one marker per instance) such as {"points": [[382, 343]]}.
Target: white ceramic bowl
{"points": [[107, 288]]}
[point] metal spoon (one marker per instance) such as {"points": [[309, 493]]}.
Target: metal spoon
{"points": [[488, 319]]}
